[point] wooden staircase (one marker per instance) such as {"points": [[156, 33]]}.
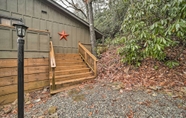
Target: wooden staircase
{"points": [[69, 70]]}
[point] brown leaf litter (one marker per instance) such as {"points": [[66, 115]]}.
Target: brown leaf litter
{"points": [[152, 74]]}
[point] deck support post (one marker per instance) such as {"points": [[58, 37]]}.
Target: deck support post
{"points": [[95, 68], [53, 79]]}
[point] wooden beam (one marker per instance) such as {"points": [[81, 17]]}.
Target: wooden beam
{"points": [[5, 72], [11, 80], [12, 97], [27, 86], [27, 62]]}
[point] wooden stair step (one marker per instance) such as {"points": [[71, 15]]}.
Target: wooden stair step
{"points": [[71, 76], [68, 60], [67, 67], [69, 63], [63, 89], [70, 84], [71, 71], [74, 80], [63, 58], [66, 55]]}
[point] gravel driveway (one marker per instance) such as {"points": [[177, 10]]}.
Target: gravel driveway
{"points": [[103, 100]]}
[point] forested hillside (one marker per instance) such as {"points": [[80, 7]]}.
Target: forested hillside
{"points": [[148, 49], [146, 29]]}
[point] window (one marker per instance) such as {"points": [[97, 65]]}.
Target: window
{"points": [[8, 20]]}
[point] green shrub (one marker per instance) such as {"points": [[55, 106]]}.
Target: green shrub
{"points": [[101, 49], [150, 27], [172, 64]]}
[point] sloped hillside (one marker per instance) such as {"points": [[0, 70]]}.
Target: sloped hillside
{"points": [[152, 75]]}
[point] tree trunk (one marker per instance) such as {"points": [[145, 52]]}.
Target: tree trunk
{"points": [[91, 26], [86, 8]]}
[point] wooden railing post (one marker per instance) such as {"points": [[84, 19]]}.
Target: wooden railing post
{"points": [[53, 79], [85, 56], [95, 67], [52, 65], [78, 46]]}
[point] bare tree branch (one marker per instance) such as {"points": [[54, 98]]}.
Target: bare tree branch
{"points": [[74, 6]]}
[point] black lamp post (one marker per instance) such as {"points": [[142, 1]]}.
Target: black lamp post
{"points": [[21, 30]]}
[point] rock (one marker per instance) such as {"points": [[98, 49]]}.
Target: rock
{"points": [[33, 116], [28, 102], [27, 97], [102, 85], [37, 100], [44, 96], [41, 117], [155, 88], [52, 110], [1, 113], [154, 94], [183, 89], [169, 93], [117, 85], [15, 102], [159, 87], [55, 115], [44, 90], [148, 91], [7, 109], [121, 91], [1, 107]]}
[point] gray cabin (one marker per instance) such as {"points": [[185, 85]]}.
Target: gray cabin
{"points": [[45, 19]]}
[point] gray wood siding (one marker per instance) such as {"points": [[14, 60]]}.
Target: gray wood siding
{"points": [[36, 43], [54, 21]]}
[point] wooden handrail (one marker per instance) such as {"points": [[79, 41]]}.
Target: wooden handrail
{"points": [[88, 51], [52, 56], [89, 58], [52, 64]]}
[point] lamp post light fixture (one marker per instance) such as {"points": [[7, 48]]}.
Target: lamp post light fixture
{"points": [[21, 30]]}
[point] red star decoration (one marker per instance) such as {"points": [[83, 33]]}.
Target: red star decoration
{"points": [[63, 35]]}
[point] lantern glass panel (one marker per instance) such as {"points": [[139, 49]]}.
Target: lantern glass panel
{"points": [[19, 30], [23, 32]]}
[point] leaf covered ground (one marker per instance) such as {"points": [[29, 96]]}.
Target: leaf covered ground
{"points": [[152, 75]]}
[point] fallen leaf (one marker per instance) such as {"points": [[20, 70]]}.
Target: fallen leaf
{"points": [[130, 114], [103, 96], [90, 114]]}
